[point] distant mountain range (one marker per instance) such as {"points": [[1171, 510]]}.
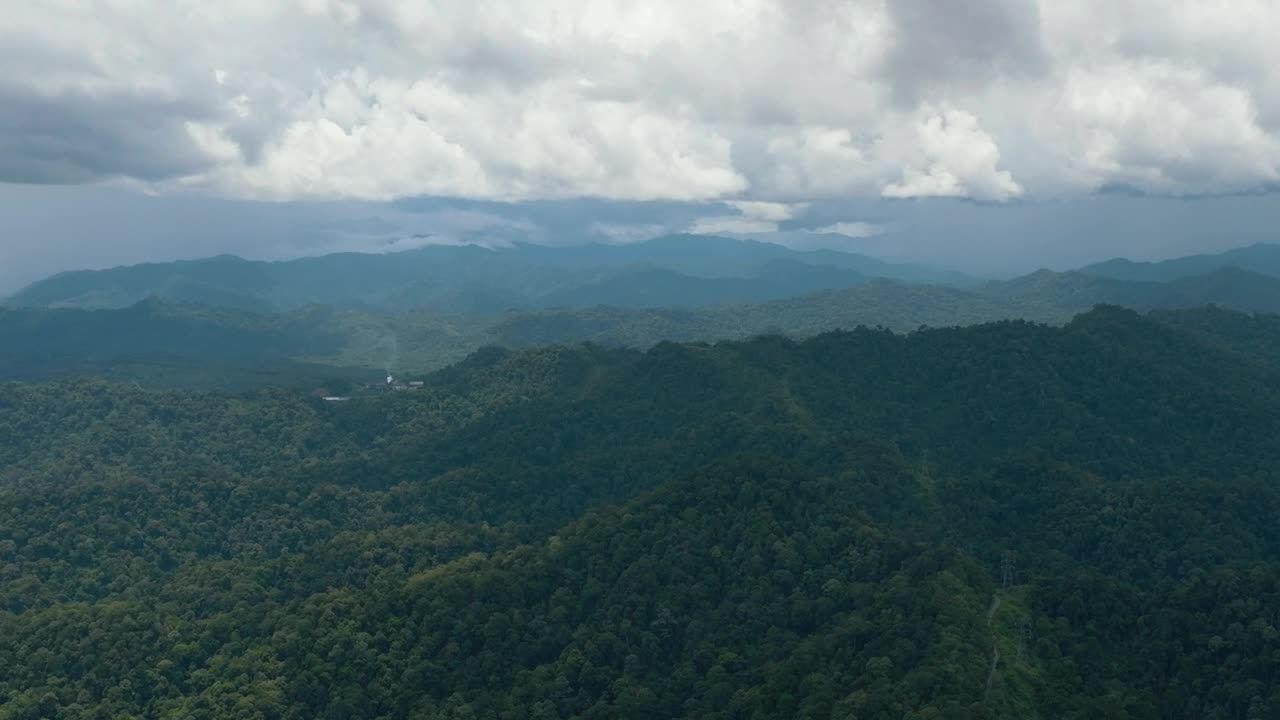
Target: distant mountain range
{"points": [[162, 342], [679, 270], [1042, 296], [1262, 258]]}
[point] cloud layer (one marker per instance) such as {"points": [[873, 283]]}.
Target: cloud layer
{"points": [[756, 101]]}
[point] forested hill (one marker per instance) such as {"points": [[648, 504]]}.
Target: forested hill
{"points": [[165, 344], [1002, 521]]}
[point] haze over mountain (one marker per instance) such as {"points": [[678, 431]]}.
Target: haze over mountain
{"points": [[1042, 297], [110, 228], [1261, 258], [675, 270], [210, 323]]}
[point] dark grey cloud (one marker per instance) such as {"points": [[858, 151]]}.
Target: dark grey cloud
{"points": [[780, 100], [79, 137], [939, 45]]}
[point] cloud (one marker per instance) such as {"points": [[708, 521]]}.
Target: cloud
{"points": [[955, 159], [942, 45], [729, 225], [622, 234], [1148, 125], [376, 139], [770, 211], [853, 229], [762, 101], [753, 217], [817, 162], [80, 137]]}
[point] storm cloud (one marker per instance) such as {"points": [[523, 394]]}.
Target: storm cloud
{"points": [[763, 100], [79, 137], [940, 46]]}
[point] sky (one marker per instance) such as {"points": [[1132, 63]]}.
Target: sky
{"points": [[990, 135]]}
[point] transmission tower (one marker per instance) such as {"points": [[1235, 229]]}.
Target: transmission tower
{"points": [[1007, 568]]}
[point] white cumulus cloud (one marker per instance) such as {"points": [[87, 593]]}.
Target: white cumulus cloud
{"points": [[850, 228], [751, 101], [955, 158]]}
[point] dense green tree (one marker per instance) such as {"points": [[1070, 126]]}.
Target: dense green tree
{"points": [[1004, 521]]}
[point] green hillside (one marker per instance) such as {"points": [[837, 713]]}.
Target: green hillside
{"points": [[166, 344], [850, 526]]}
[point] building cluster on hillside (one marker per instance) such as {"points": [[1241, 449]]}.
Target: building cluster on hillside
{"points": [[391, 384], [394, 385]]}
